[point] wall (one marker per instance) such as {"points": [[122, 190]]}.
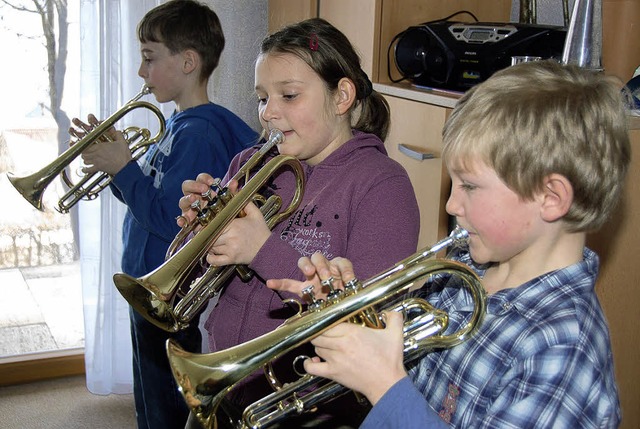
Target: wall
{"points": [[244, 23]]}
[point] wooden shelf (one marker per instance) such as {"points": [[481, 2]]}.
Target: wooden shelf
{"points": [[436, 97]]}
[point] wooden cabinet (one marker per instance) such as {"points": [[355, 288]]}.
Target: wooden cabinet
{"points": [[418, 117], [359, 20], [618, 287], [282, 12], [372, 24], [415, 141], [620, 42]]}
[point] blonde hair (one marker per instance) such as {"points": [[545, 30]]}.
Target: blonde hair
{"points": [[534, 119]]}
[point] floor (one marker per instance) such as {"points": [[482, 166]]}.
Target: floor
{"points": [[40, 309], [63, 403]]}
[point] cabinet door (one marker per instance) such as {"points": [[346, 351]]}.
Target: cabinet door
{"points": [[359, 21], [415, 141], [283, 12]]}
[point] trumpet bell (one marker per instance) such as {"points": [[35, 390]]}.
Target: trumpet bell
{"points": [[168, 297], [32, 187], [147, 299]]}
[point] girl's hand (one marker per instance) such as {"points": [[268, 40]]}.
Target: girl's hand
{"points": [[193, 190], [241, 240]]}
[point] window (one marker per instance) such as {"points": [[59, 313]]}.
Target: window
{"points": [[41, 305]]}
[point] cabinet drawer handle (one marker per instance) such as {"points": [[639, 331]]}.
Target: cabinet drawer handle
{"points": [[414, 153]]}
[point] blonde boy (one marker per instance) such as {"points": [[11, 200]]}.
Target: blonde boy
{"points": [[537, 156]]}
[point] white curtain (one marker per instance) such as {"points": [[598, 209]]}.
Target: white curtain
{"points": [[109, 63]]}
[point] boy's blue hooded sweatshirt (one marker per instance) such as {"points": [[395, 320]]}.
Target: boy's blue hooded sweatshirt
{"points": [[204, 138]]}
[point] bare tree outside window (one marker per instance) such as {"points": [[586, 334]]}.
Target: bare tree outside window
{"points": [[53, 36], [39, 269], [55, 32]]}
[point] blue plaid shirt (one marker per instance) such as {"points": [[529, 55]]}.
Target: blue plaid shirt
{"points": [[541, 359]]}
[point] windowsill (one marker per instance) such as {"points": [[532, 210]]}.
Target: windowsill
{"points": [[40, 366]]}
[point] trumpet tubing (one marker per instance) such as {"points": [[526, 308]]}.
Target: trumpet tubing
{"points": [[32, 187], [205, 379], [166, 297]]}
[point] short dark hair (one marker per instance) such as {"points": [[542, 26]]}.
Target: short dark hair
{"points": [[182, 25]]}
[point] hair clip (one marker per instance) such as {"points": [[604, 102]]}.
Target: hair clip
{"points": [[314, 42]]}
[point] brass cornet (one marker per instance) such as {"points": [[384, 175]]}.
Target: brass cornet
{"points": [[166, 297], [32, 187], [205, 379]]}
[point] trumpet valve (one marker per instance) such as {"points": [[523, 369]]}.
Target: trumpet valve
{"points": [[213, 190], [202, 212], [352, 286], [315, 303], [334, 294]]}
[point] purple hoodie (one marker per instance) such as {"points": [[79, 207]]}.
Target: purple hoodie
{"points": [[358, 203]]}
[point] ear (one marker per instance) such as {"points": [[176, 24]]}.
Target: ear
{"points": [[557, 197], [345, 95], [190, 61]]}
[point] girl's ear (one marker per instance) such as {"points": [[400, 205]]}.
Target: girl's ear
{"points": [[557, 197], [345, 95], [190, 59]]}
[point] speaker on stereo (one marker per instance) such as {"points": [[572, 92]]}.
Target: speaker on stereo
{"points": [[456, 55]]}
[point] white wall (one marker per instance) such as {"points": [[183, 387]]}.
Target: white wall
{"points": [[244, 23]]}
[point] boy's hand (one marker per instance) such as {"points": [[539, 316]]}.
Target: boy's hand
{"points": [[367, 360], [317, 269], [363, 359], [110, 153]]}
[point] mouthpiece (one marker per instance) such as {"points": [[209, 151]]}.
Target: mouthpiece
{"points": [[275, 138], [460, 236]]}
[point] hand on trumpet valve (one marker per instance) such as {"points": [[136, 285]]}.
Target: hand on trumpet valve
{"points": [[110, 153], [198, 194], [324, 275], [241, 239]]}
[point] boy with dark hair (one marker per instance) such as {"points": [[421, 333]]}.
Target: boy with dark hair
{"points": [[180, 42], [537, 155]]}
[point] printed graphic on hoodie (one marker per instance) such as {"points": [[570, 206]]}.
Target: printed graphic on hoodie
{"points": [[152, 163], [304, 233]]}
